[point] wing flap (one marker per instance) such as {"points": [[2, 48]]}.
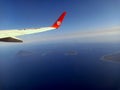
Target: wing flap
{"points": [[10, 39]]}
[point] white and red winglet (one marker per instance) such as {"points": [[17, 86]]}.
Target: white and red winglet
{"points": [[10, 35], [59, 20]]}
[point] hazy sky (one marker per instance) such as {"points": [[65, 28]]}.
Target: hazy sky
{"points": [[82, 15]]}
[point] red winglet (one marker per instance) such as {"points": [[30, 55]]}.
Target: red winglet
{"points": [[59, 20]]}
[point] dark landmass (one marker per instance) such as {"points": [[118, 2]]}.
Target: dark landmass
{"points": [[115, 57], [71, 53]]}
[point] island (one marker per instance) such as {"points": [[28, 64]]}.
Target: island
{"points": [[71, 53], [115, 57], [24, 53]]}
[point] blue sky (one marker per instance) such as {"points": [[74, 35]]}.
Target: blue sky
{"points": [[82, 15]]}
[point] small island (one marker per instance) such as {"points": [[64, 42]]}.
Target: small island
{"points": [[24, 53], [115, 57], [71, 53]]}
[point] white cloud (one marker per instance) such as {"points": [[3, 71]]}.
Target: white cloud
{"points": [[109, 34], [99, 35]]}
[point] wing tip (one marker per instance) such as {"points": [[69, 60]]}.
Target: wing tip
{"points": [[59, 21]]}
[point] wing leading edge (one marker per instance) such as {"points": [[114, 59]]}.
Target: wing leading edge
{"points": [[10, 35]]}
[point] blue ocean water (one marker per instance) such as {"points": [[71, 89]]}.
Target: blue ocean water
{"points": [[61, 66]]}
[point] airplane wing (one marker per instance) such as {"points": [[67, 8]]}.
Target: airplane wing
{"points": [[10, 35]]}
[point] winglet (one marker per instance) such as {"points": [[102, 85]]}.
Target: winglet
{"points": [[59, 20]]}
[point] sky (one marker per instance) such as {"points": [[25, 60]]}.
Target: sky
{"points": [[82, 15]]}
